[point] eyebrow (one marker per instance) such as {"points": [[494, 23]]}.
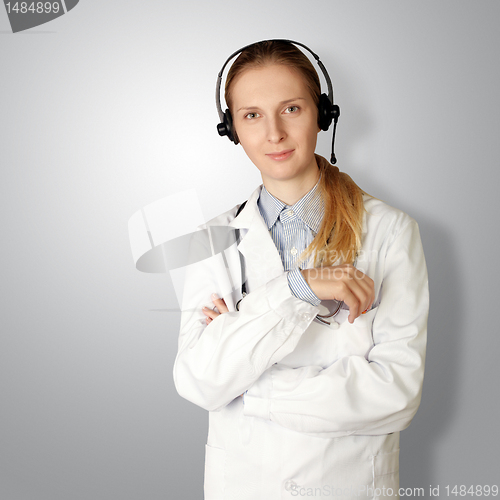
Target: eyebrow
{"points": [[245, 108]]}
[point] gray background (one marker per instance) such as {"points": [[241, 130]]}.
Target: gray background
{"points": [[111, 107]]}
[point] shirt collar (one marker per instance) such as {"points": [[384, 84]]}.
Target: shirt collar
{"points": [[310, 208]]}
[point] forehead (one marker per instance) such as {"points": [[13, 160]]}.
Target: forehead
{"points": [[268, 83]]}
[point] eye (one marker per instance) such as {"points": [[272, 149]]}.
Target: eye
{"points": [[251, 116], [292, 109]]}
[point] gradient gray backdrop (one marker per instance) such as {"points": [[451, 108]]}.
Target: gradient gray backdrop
{"points": [[111, 107]]}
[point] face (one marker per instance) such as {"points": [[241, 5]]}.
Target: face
{"points": [[276, 120]]}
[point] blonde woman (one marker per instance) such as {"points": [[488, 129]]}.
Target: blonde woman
{"points": [[301, 404]]}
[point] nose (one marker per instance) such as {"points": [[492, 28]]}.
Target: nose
{"points": [[276, 130]]}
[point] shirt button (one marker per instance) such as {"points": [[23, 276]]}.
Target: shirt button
{"points": [[290, 213], [305, 316], [293, 251]]}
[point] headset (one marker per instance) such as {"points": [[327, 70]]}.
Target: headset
{"points": [[327, 110]]}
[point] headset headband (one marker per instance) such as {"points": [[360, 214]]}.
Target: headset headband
{"points": [[234, 54]]}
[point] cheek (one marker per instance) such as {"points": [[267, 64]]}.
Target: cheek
{"points": [[247, 146], [314, 138], [310, 138], [315, 130], [248, 140]]}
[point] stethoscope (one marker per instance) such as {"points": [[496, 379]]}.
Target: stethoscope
{"points": [[321, 318]]}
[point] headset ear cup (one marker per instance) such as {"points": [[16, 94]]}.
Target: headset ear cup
{"points": [[226, 127], [231, 133], [326, 112]]}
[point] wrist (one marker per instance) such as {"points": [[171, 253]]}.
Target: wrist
{"points": [[308, 275], [300, 288], [305, 274]]}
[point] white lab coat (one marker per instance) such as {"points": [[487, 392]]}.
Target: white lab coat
{"points": [[324, 406]]}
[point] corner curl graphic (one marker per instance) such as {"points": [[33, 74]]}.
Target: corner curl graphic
{"points": [[25, 15], [164, 239]]}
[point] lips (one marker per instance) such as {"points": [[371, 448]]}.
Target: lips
{"points": [[281, 155]]}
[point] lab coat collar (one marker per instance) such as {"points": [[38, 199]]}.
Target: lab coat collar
{"points": [[262, 259], [246, 216]]}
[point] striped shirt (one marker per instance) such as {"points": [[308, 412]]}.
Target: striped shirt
{"points": [[292, 229]]}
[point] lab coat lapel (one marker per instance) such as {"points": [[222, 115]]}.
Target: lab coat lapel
{"points": [[262, 259]]}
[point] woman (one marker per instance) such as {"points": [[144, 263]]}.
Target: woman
{"points": [[299, 407]]}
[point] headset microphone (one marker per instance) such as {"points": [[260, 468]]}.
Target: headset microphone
{"points": [[333, 159], [327, 110]]}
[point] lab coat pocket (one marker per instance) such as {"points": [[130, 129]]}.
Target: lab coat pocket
{"points": [[386, 475], [215, 466]]}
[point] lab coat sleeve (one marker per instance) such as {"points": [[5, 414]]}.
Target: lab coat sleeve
{"points": [[218, 362], [372, 394]]}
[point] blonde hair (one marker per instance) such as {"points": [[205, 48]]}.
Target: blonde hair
{"points": [[339, 237]]}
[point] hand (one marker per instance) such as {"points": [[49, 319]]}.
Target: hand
{"points": [[210, 313], [342, 283]]}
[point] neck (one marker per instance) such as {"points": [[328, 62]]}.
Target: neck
{"points": [[292, 190]]}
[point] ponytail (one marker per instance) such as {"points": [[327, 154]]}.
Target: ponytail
{"points": [[339, 237]]}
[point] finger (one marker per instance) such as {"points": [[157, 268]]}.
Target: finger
{"points": [[361, 285], [371, 293], [221, 305], [353, 304], [355, 297], [366, 294], [346, 294], [209, 313]]}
